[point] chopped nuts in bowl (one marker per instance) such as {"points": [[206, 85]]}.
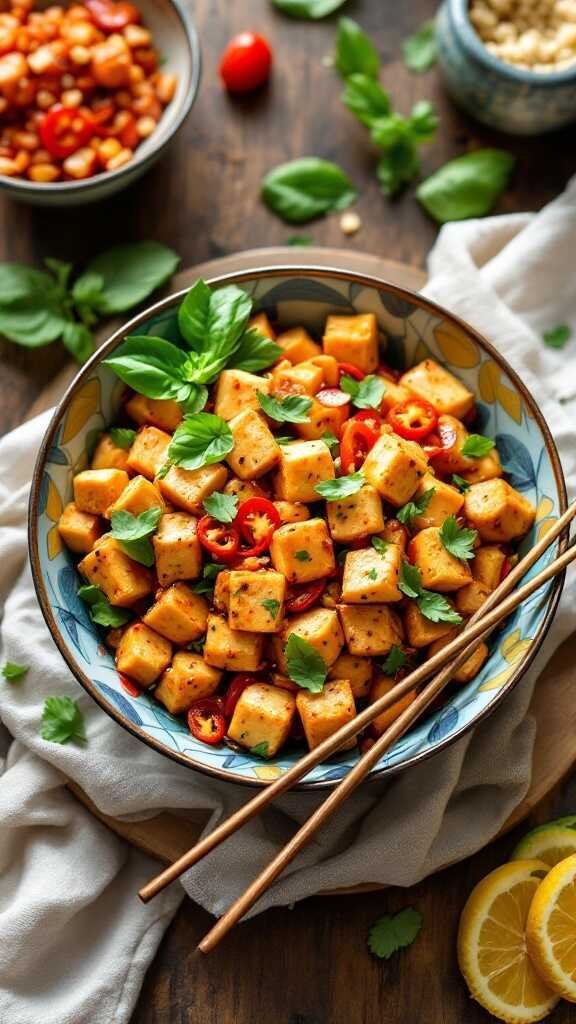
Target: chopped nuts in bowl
{"points": [[538, 36]]}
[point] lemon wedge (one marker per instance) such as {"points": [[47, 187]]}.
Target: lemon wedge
{"points": [[551, 843], [551, 929]]}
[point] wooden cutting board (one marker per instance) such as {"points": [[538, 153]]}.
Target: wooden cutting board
{"points": [[170, 834]]}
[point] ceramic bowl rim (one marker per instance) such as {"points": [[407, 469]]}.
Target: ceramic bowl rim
{"points": [[472, 42], [24, 188], [287, 270]]}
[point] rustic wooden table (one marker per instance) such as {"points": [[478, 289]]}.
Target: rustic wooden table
{"points": [[308, 965]]}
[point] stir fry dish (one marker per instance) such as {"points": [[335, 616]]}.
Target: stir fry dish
{"points": [[80, 88], [278, 528]]}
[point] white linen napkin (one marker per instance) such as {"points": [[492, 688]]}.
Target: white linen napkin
{"points": [[79, 940]]}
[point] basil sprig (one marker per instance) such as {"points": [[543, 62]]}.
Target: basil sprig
{"points": [[290, 409], [419, 49], [300, 190]]}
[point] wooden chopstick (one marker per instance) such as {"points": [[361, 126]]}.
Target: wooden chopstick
{"points": [[330, 745]]}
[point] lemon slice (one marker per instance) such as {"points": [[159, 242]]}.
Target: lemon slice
{"points": [[551, 843], [492, 950], [551, 929]]}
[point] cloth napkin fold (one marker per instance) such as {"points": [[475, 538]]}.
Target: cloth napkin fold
{"points": [[79, 940]]}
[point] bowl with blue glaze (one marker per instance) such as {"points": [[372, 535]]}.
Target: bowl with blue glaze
{"points": [[513, 100], [412, 328]]}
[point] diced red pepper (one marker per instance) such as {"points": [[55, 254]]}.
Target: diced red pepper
{"points": [[221, 540], [63, 130], [206, 720], [349, 370], [301, 598], [256, 521], [237, 685], [357, 440]]}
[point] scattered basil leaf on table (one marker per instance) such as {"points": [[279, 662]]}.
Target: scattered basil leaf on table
{"points": [[101, 611], [434, 607], [260, 750], [396, 659], [309, 10], [393, 932], [341, 487], [129, 273], [133, 533], [355, 52], [468, 186], [62, 720], [12, 672], [366, 98], [33, 312], [200, 440], [476, 446], [379, 545], [457, 540], [300, 240], [460, 483], [291, 409], [558, 336], [418, 507], [255, 352], [222, 507], [303, 189], [306, 666], [122, 437], [271, 606], [419, 49], [365, 394]]}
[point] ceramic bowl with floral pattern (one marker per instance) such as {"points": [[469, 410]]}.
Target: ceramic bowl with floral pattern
{"points": [[412, 328]]}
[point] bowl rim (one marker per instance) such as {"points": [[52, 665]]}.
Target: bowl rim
{"points": [[287, 270], [60, 188], [472, 42]]}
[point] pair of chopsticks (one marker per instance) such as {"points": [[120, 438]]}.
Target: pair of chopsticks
{"points": [[495, 609]]}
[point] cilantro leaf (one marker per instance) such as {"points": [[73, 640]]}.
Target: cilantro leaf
{"points": [[341, 487], [365, 394], [380, 545], [476, 445], [302, 556], [457, 540], [372, 574], [397, 659], [437, 608], [100, 610], [122, 437], [330, 439], [291, 409], [271, 606], [419, 49], [556, 337], [13, 673], [460, 483], [284, 439], [62, 720], [260, 750], [409, 581], [205, 585], [393, 932], [306, 666], [133, 533], [200, 440], [411, 509], [222, 507]]}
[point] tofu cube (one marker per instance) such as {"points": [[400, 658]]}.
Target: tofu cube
{"points": [[108, 455], [255, 450], [163, 413], [263, 715], [355, 517], [371, 577], [420, 631], [187, 488], [445, 501], [232, 649], [381, 686], [142, 654], [393, 394], [177, 550], [256, 601], [436, 385], [243, 489], [303, 551], [352, 339], [303, 465], [319, 627], [221, 599], [487, 565], [440, 570], [79, 530], [123, 581], [261, 323], [304, 379], [471, 667], [96, 489], [486, 468], [471, 598], [149, 451], [454, 436], [498, 511], [298, 345], [238, 390], [323, 713], [323, 419], [137, 497], [178, 614], [330, 369], [292, 511], [394, 467], [187, 679], [370, 630], [358, 672]]}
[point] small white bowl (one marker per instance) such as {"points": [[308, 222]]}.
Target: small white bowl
{"points": [[176, 40]]}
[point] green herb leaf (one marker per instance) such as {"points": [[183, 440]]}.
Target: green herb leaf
{"points": [[457, 540], [60, 269], [379, 545], [122, 437], [300, 190], [302, 556], [342, 487], [153, 367], [423, 121], [101, 611], [87, 294], [460, 483], [291, 409], [365, 394], [299, 240], [437, 608], [284, 439], [365, 97], [222, 507], [558, 336], [306, 667], [32, 308], [393, 932], [409, 581], [398, 167], [200, 440], [129, 273], [355, 53], [62, 720], [271, 606], [397, 659], [260, 750], [411, 509], [468, 186], [212, 323], [476, 446], [419, 49], [372, 574], [133, 533], [330, 439], [255, 352], [79, 340], [209, 573], [12, 672], [309, 10]]}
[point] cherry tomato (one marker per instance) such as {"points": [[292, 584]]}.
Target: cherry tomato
{"points": [[332, 397], [256, 521], [110, 16], [237, 685], [350, 370], [220, 539], [357, 440], [206, 720], [370, 417], [246, 62], [302, 597], [413, 419], [63, 130]]}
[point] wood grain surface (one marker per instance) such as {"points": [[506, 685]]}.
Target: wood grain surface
{"points": [[309, 965]]}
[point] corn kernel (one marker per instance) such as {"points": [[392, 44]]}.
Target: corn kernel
{"points": [[121, 158], [44, 173], [145, 126]]}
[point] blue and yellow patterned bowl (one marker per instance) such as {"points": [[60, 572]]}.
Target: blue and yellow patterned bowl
{"points": [[413, 328]]}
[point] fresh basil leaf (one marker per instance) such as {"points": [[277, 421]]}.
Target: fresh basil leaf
{"points": [[390, 131], [419, 49], [62, 720], [393, 932], [87, 290], [153, 367], [129, 274], [355, 53], [397, 659], [341, 487], [558, 336], [411, 509], [300, 240], [32, 308], [13, 673], [423, 121], [255, 352], [379, 545], [222, 507], [194, 398], [457, 540], [271, 606], [303, 189], [306, 666], [410, 581], [101, 611], [397, 167], [476, 446], [329, 439], [366, 98], [200, 440], [79, 340], [468, 186], [365, 394], [309, 10], [206, 584], [460, 483], [213, 321], [60, 269], [260, 750], [126, 526], [291, 409], [436, 608], [122, 437]]}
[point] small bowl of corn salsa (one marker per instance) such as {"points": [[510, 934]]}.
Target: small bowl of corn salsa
{"points": [[91, 93]]}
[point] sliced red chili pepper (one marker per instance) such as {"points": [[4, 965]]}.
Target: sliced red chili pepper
{"points": [[357, 440], [413, 419], [387, 371], [302, 597], [220, 539], [350, 370], [332, 397], [111, 17], [433, 445], [370, 417], [63, 130], [206, 720], [256, 520], [237, 685]]}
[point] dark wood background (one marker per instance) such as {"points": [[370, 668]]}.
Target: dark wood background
{"points": [[309, 965]]}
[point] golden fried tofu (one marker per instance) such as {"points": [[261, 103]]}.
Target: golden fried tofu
{"points": [[438, 386], [358, 672], [370, 629], [186, 680], [487, 565], [262, 718], [79, 530], [304, 379], [122, 580], [163, 413], [371, 577], [243, 489], [352, 339], [303, 465], [142, 654], [485, 468], [439, 569], [393, 394], [96, 489], [255, 450], [498, 511], [323, 713], [323, 419], [470, 598], [292, 511], [137, 497], [238, 390], [395, 467], [149, 451], [232, 649], [420, 631], [256, 600], [303, 551], [471, 667], [445, 501], [108, 455], [178, 614], [381, 686], [319, 627], [454, 436], [177, 550], [188, 488], [357, 516], [298, 345], [261, 323]]}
